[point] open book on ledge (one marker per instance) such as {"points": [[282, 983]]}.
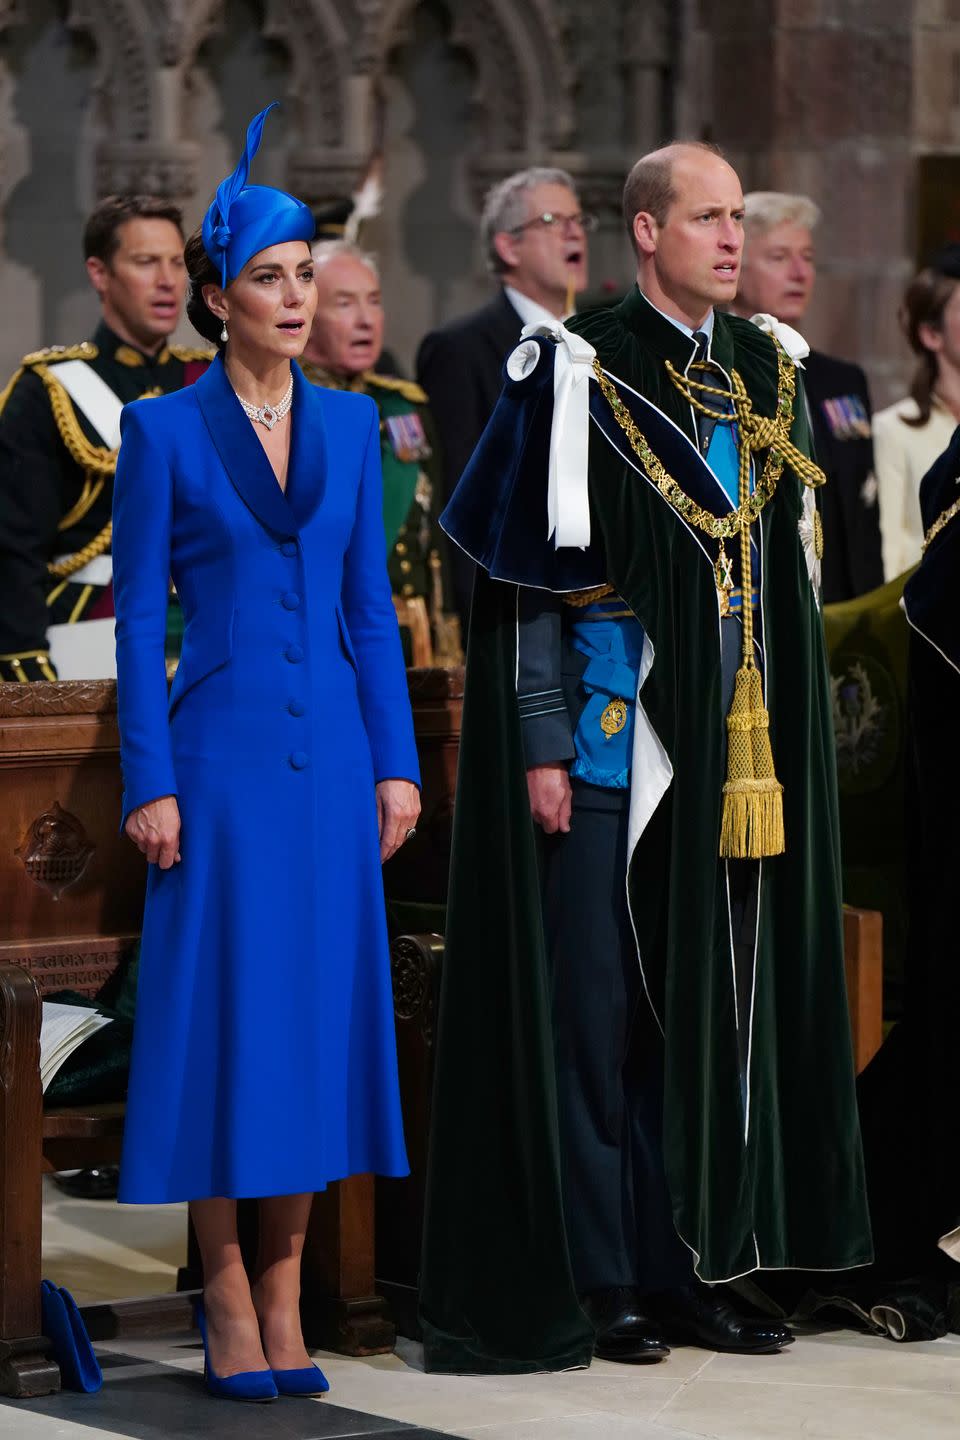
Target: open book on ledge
{"points": [[62, 1029]]}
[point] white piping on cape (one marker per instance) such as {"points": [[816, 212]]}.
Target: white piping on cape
{"points": [[924, 636], [635, 831], [651, 774]]}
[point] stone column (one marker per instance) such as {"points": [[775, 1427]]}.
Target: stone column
{"points": [[818, 96]]}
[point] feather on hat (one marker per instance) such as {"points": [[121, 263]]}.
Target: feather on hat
{"points": [[244, 219]]}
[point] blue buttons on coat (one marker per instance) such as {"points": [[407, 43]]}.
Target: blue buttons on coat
{"points": [[299, 759], [290, 601], [296, 707], [294, 653], [289, 548]]}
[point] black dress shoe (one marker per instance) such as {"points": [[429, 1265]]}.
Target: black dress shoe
{"points": [[697, 1315], [623, 1331], [98, 1184]]}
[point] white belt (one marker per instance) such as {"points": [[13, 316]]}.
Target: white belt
{"points": [[98, 571]]}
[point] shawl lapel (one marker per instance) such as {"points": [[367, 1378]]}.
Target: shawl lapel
{"points": [[245, 459], [307, 470]]}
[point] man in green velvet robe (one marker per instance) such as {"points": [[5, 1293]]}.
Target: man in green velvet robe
{"points": [[644, 1077]]}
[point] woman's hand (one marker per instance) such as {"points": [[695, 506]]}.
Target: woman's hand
{"points": [[398, 805], [155, 830]]}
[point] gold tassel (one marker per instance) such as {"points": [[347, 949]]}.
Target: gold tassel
{"points": [[751, 825]]}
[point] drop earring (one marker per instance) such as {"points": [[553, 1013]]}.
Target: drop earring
{"points": [[224, 337]]}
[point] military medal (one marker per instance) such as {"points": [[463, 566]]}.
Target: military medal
{"points": [[847, 417], [723, 571], [407, 437], [614, 718]]}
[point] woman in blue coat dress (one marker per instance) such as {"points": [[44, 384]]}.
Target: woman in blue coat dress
{"points": [[269, 789]]}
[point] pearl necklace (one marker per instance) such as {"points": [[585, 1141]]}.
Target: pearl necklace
{"points": [[268, 415]]}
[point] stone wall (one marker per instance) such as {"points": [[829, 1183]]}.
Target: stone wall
{"points": [[835, 97]]}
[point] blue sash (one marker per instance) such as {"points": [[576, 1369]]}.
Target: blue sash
{"points": [[604, 735]]}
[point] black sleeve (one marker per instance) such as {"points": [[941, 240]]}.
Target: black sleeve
{"points": [[446, 369], [32, 459], [544, 718]]}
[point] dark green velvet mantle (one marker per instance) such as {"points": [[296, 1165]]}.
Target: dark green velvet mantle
{"points": [[777, 1183]]}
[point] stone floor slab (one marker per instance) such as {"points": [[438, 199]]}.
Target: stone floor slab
{"points": [[726, 1410], [163, 1404]]}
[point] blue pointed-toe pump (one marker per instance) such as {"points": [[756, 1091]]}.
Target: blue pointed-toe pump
{"points": [[248, 1385], [310, 1380]]}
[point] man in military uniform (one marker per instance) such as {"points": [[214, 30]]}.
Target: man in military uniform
{"points": [[777, 278], [59, 434], [345, 342]]}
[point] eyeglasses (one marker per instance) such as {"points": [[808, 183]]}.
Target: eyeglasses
{"points": [[551, 220]]}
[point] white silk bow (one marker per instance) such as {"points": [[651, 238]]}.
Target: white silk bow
{"points": [[791, 340], [568, 504]]}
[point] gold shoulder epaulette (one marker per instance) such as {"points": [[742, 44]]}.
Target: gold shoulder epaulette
{"points": [[187, 353], [409, 389], [52, 354]]}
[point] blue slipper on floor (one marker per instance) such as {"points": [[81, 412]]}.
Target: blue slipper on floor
{"points": [[64, 1328]]}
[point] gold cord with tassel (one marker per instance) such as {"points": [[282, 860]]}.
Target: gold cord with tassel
{"points": [[752, 817], [751, 824]]}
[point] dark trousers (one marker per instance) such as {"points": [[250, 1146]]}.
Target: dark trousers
{"points": [[609, 1061]]}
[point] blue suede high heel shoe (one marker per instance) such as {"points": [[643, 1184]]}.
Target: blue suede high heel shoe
{"points": [[248, 1385], [308, 1381]]}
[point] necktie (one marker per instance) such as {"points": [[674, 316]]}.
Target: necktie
{"points": [[705, 423]]}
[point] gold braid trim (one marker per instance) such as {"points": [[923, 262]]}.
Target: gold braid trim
{"points": [[941, 522], [96, 459], [752, 817], [588, 597], [88, 497], [97, 546], [757, 432], [86, 350], [8, 388], [191, 352]]}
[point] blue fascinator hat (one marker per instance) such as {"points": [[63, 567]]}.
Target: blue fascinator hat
{"points": [[244, 219]]}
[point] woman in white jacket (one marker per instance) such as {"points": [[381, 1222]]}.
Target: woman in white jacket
{"points": [[909, 435]]}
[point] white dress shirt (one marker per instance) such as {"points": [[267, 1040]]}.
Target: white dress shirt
{"points": [[531, 312]]}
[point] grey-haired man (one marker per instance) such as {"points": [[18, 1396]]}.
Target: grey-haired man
{"points": [[534, 237]]}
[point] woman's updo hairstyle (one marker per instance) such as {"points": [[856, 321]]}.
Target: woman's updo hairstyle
{"points": [[926, 298], [201, 271]]}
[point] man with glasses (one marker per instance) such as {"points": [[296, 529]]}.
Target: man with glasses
{"points": [[534, 238]]}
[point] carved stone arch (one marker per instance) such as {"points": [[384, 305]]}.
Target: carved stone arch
{"points": [[186, 26], [141, 154], [312, 33], [124, 38], [524, 83]]}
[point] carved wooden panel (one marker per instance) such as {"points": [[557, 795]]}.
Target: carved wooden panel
{"points": [[55, 850], [59, 758], [84, 963]]}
